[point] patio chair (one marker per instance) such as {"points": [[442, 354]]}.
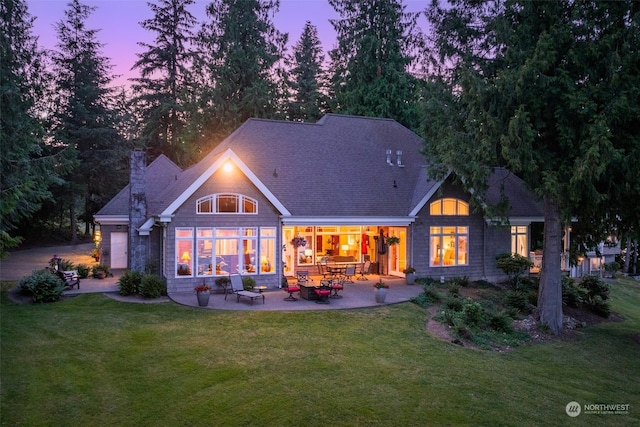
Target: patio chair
{"points": [[291, 289], [302, 276], [238, 289], [349, 272], [322, 270], [336, 285], [323, 292], [364, 269]]}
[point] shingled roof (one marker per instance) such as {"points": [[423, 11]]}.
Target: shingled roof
{"points": [[334, 168]]}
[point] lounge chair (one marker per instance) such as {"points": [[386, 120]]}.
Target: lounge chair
{"points": [[238, 289]]}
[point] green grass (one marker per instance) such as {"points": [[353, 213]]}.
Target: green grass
{"points": [[92, 361]]}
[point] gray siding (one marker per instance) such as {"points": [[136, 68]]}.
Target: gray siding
{"points": [[484, 241], [186, 216]]}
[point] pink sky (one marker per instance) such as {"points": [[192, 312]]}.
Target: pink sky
{"points": [[120, 31]]}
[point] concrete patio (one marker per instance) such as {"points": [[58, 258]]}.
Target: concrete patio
{"points": [[355, 295]]}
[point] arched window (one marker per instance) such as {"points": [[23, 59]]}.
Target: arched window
{"points": [[449, 207], [226, 203]]}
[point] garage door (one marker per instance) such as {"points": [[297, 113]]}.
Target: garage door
{"points": [[118, 250]]}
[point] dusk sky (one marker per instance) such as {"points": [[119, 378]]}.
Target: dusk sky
{"points": [[120, 30]]}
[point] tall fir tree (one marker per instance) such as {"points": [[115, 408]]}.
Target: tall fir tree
{"points": [[307, 79], [550, 90], [240, 61], [163, 88], [27, 169], [84, 120], [376, 43]]}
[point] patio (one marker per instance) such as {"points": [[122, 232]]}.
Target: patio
{"points": [[355, 295]]}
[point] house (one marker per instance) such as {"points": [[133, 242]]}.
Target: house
{"points": [[276, 197]]}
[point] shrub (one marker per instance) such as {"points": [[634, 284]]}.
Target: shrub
{"points": [[599, 306], [473, 313], [501, 322], [595, 286], [223, 281], [67, 265], [454, 289], [453, 303], [42, 286], [572, 294], [83, 271], [248, 283], [428, 297], [462, 282], [129, 283], [516, 299], [514, 265], [152, 286]]}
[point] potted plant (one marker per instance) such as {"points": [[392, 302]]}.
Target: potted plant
{"points": [[100, 271], [203, 292], [223, 282], [380, 291], [393, 240], [410, 275]]}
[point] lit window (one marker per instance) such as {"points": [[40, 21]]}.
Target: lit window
{"points": [[519, 243], [449, 207], [184, 252], [226, 204], [449, 246]]}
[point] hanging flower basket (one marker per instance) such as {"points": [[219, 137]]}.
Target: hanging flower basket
{"points": [[393, 240], [298, 241]]}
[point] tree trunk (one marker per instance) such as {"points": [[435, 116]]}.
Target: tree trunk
{"points": [[74, 223], [627, 256], [635, 257], [550, 291]]}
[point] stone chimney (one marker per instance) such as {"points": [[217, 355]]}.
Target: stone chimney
{"points": [[138, 245]]}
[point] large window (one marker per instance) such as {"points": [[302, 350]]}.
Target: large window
{"points": [[227, 250], [226, 203], [519, 239], [449, 246], [184, 251], [449, 207]]}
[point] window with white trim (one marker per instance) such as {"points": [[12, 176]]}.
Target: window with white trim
{"points": [[449, 246], [229, 250], [449, 207], [519, 240], [184, 252], [226, 203]]}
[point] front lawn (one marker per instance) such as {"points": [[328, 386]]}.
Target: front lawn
{"points": [[94, 361]]}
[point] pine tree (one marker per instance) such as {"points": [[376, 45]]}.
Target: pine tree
{"points": [[241, 55], [376, 39], [307, 76], [26, 169], [550, 90], [165, 80], [84, 120]]}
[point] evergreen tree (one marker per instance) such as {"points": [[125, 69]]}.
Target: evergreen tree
{"points": [[376, 40], [308, 102], [26, 169], [550, 90], [165, 80], [84, 120], [240, 54]]}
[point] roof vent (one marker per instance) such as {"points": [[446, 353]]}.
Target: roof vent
{"points": [[399, 158], [389, 162]]}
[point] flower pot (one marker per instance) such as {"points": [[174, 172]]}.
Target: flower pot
{"points": [[101, 274], [203, 298], [380, 294], [411, 278]]}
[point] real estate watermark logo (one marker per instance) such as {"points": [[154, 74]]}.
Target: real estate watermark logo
{"points": [[573, 409]]}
